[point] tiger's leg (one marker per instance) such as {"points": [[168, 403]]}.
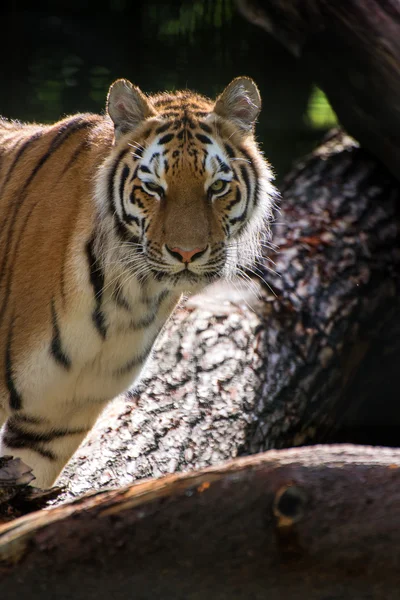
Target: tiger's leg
{"points": [[46, 445]]}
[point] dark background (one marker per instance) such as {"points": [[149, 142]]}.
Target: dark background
{"points": [[60, 57]]}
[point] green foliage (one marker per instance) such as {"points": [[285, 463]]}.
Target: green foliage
{"points": [[193, 16], [160, 45], [320, 114], [99, 79], [50, 76]]}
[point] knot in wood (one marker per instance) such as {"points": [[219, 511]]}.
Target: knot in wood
{"points": [[289, 505]]}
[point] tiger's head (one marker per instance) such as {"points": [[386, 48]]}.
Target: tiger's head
{"points": [[186, 186]]}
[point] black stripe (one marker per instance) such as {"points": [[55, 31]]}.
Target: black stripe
{"points": [[144, 322], [81, 148], [132, 219], [238, 198], [238, 219], [120, 300], [134, 362], [123, 232], [205, 127], [163, 101], [31, 437], [111, 178], [163, 128], [13, 441], [17, 158], [245, 176], [166, 138], [256, 174], [144, 169], [247, 155], [223, 166], [136, 200], [63, 133], [96, 277], [29, 419], [172, 106], [138, 152], [171, 114], [229, 150], [9, 218], [15, 399], [146, 133], [56, 347], [156, 302], [124, 177], [127, 217], [203, 138]]}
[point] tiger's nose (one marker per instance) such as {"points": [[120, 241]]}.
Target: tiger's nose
{"points": [[186, 256]]}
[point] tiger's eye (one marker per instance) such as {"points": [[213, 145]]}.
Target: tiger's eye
{"points": [[218, 185], [153, 187]]}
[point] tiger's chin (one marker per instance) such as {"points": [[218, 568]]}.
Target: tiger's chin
{"points": [[188, 281]]}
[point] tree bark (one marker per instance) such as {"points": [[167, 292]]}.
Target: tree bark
{"points": [[352, 48], [309, 523], [232, 376]]}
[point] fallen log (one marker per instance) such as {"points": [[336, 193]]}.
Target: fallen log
{"points": [[234, 376], [352, 49], [309, 523]]}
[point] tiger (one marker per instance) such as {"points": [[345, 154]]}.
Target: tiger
{"points": [[107, 222]]}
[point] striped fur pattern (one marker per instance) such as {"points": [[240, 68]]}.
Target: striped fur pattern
{"points": [[105, 221]]}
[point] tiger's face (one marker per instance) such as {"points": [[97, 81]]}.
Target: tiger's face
{"points": [[187, 186]]}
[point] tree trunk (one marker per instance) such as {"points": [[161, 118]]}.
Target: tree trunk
{"points": [[232, 377], [352, 48], [303, 524]]}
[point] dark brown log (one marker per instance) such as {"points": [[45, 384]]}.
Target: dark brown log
{"points": [[304, 524], [352, 48], [230, 377]]}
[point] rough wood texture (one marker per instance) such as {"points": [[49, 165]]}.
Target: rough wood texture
{"points": [[352, 48], [231, 378], [304, 524]]}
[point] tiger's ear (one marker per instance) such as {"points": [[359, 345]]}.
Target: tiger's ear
{"points": [[240, 102], [127, 106]]}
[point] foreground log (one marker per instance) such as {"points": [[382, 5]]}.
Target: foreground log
{"points": [[233, 377], [352, 49], [302, 524]]}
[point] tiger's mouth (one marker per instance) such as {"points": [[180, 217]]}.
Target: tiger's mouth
{"points": [[188, 277]]}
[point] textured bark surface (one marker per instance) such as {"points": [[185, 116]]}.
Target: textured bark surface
{"points": [[306, 524], [352, 49], [232, 377]]}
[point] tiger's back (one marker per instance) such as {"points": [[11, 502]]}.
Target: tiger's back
{"points": [[105, 221]]}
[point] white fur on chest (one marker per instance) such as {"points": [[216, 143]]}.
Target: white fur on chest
{"points": [[100, 368]]}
